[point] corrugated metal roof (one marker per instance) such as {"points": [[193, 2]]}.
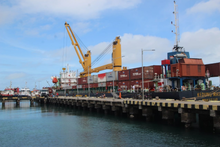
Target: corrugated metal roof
{"points": [[191, 61]]}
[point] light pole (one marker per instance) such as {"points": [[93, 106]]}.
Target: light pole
{"points": [[113, 86], [88, 81], [143, 70], [77, 83]]}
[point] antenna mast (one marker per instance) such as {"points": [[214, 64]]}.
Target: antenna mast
{"points": [[176, 47]]}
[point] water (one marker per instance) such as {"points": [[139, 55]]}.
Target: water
{"points": [[56, 126]]}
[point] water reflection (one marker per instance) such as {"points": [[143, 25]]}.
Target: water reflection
{"points": [[43, 125]]}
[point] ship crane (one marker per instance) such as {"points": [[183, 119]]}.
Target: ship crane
{"points": [[85, 59]]}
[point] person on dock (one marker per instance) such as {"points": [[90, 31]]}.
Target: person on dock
{"points": [[120, 95]]}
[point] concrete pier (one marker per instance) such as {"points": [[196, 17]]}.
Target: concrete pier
{"points": [[208, 112]]}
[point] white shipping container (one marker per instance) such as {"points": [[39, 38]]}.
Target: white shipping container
{"points": [[95, 78], [92, 79], [112, 75], [103, 84], [102, 77]]}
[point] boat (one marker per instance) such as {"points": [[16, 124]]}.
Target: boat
{"points": [[9, 91], [35, 92], [25, 91]]}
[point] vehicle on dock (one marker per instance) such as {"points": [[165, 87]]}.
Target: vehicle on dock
{"points": [[44, 92], [47, 91]]}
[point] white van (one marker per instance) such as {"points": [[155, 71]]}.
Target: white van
{"points": [[44, 92]]}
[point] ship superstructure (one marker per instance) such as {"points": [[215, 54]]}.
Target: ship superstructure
{"points": [[68, 78]]}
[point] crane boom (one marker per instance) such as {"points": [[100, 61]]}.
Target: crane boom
{"points": [[86, 62]]}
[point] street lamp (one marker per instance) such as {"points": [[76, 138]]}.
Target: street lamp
{"points": [[88, 81], [113, 86], [143, 70], [77, 83]]}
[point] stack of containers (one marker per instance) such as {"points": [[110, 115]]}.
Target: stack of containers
{"points": [[84, 83], [93, 81], [148, 76], [102, 81], [124, 80], [110, 76], [79, 85]]}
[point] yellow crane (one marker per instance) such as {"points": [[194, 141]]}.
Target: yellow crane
{"points": [[86, 59]]}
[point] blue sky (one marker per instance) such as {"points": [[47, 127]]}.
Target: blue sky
{"points": [[33, 40]]}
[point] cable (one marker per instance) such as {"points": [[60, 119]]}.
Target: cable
{"points": [[102, 54], [80, 42]]}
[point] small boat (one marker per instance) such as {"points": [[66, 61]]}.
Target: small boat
{"points": [[9, 91], [25, 91], [35, 92]]}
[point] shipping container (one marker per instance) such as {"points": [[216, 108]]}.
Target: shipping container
{"points": [[84, 80], [92, 79], [124, 75], [102, 84], [193, 68], [79, 81], [149, 72], [165, 62], [94, 85], [138, 84], [213, 69], [85, 86], [112, 75], [124, 85], [110, 83], [102, 77]]}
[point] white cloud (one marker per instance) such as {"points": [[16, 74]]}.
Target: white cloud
{"points": [[63, 54], [131, 46], [36, 31], [7, 14], [205, 7], [97, 49], [203, 44], [15, 76], [82, 27], [82, 9]]}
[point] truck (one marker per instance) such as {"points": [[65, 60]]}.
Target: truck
{"points": [[46, 91]]}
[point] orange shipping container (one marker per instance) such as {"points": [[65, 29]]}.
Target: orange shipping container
{"points": [[188, 68]]}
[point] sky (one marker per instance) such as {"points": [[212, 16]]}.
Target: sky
{"points": [[35, 45]]}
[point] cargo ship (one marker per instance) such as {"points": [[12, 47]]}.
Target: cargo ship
{"points": [[179, 76]]}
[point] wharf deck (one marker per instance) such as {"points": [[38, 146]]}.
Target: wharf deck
{"points": [[19, 97], [190, 104]]}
